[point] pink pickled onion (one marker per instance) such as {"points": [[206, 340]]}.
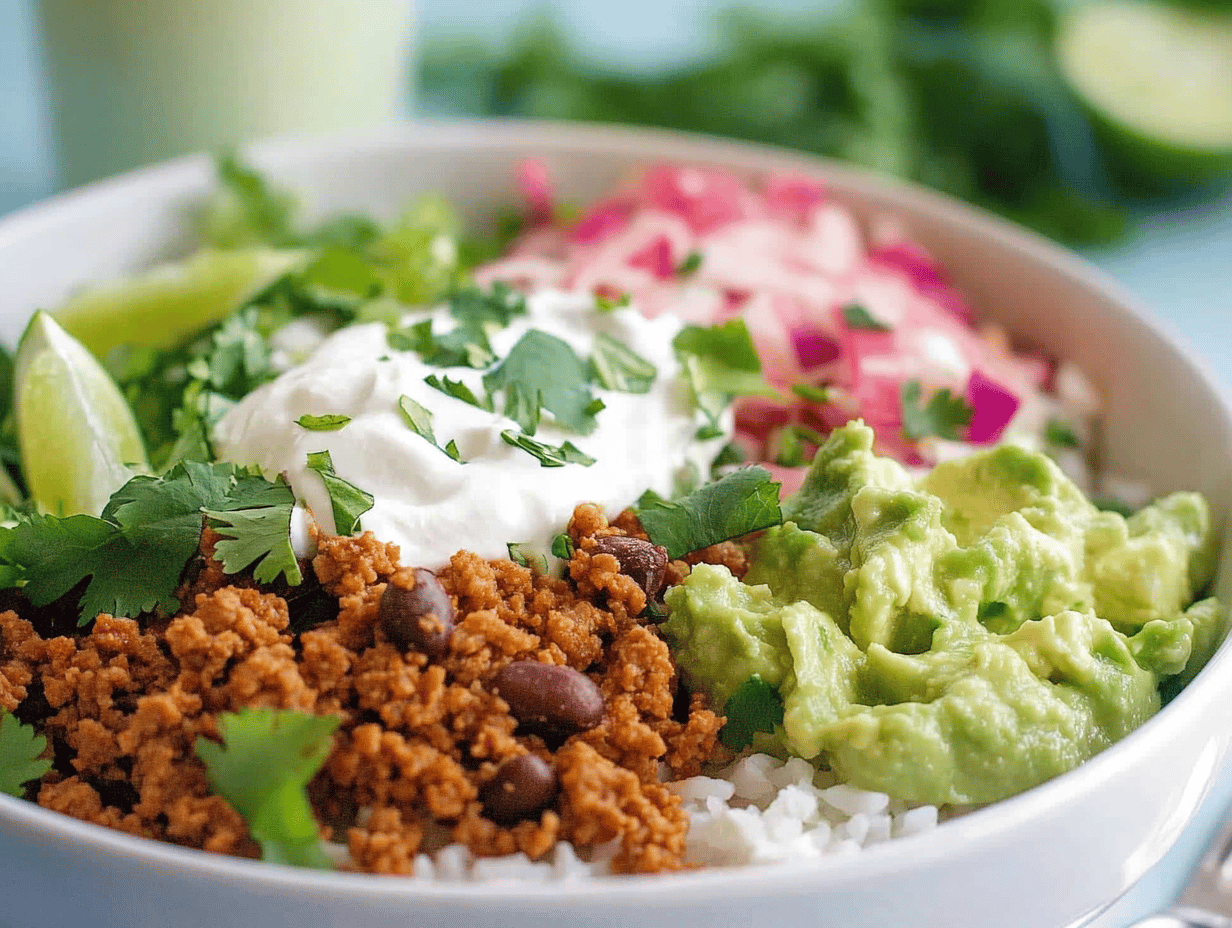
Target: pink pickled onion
{"points": [[705, 199], [656, 257], [605, 218], [813, 347], [791, 197], [921, 270], [535, 186], [994, 406]]}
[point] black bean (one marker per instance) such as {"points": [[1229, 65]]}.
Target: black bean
{"points": [[641, 560], [421, 617], [523, 786], [549, 700]]}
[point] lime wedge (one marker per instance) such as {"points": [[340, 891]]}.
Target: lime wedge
{"points": [[1157, 81], [168, 304], [78, 439]]}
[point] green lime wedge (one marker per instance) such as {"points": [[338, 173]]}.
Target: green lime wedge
{"points": [[1157, 81], [168, 304], [78, 439]]}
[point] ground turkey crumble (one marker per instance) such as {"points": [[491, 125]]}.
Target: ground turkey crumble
{"points": [[419, 738]]}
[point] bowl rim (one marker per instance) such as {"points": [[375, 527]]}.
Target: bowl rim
{"points": [[547, 138]]}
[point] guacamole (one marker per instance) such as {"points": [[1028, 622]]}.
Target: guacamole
{"points": [[955, 639]]}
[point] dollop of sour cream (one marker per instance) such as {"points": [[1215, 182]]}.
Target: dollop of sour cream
{"points": [[431, 505]]}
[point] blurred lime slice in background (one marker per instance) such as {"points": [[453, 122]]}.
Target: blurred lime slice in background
{"points": [[78, 439], [1157, 80], [164, 306]]}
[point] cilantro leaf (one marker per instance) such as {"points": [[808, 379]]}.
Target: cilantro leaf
{"points": [[244, 210], [462, 346], [720, 362], [1060, 433], [547, 365], [347, 500], [743, 501], [943, 415], [459, 391], [330, 422], [616, 366], [562, 546], [548, 455], [497, 306], [261, 536], [262, 768], [692, 261], [605, 303], [754, 706], [810, 393], [792, 440], [20, 747], [528, 557], [858, 317], [419, 419]]}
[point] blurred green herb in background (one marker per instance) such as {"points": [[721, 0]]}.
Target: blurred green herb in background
{"points": [[962, 95]]}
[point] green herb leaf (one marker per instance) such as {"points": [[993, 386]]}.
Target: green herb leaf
{"points": [[721, 363], [135, 554], [1059, 432], [607, 304], [1113, 504], [810, 393], [692, 261], [547, 455], [523, 407], [547, 365], [743, 501], [616, 366], [262, 768], [528, 557], [728, 455], [496, 306], [244, 210], [459, 391], [943, 415], [257, 536], [418, 418], [347, 500], [327, 423], [461, 346], [792, 442], [562, 546], [20, 747], [755, 706], [858, 317]]}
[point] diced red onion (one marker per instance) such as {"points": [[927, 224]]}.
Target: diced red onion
{"points": [[704, 199], [921, 270], [792, 197], [814, 347], [655, 257], [993, 407], [605, 218], [535, 186]]}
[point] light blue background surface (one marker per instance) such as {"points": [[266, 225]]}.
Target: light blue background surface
{"points": [[1179, 262]]}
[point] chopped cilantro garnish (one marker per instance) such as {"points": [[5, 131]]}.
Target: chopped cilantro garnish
{"points": [[527, 557], [709, 431], [607, 304], [20, 747], [743, 501], [260, 536], [459, 391], [562, 546], [498, 306], [548, 455], [262, 768], [523, 407], [420, 420], [728, 455], [1059, 432], [692, 261], [754, 706], [462, 346], [347, 500], [1113, 504], [858, 317], [616, 366], [135, 553], [721, 363], [943, 415], [810, 393], [327, 423], [792, 440], [547, 365]]}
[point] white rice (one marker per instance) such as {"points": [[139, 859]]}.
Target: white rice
{"points": [[758, 810]]}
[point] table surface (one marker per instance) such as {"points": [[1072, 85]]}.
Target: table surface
{"points": [[1177, 261]]}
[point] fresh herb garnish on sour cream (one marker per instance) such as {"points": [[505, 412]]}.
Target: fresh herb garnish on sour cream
{"points": [[348, 501], [744, 501]]}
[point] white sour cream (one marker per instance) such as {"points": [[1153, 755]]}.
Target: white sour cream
{"points": [[427, 503]]}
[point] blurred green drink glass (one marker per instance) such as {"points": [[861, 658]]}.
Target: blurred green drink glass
{"points": [[131, 82]]}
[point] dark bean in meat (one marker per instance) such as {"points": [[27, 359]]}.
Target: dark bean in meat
{"points": [[421, 617], [523, 787], [549, 700], [643, 561]]}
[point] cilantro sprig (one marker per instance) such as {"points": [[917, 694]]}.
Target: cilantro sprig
{"points": [[743, 501], [347, 501], [262, 768], [134, 554], [721, 363], [21, 748], [755, 706], [943, 415]]}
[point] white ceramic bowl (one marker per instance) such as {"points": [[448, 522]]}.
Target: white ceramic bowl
{"points": [[1053, 856]]}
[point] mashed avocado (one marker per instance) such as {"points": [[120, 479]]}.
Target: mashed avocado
{"points": [[960, 638]]}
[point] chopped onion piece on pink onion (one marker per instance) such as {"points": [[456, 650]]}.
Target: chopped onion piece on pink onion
{"points": [[993, 407]]}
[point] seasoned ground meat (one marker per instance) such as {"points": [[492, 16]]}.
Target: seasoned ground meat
{"points": [[420, 736]]}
